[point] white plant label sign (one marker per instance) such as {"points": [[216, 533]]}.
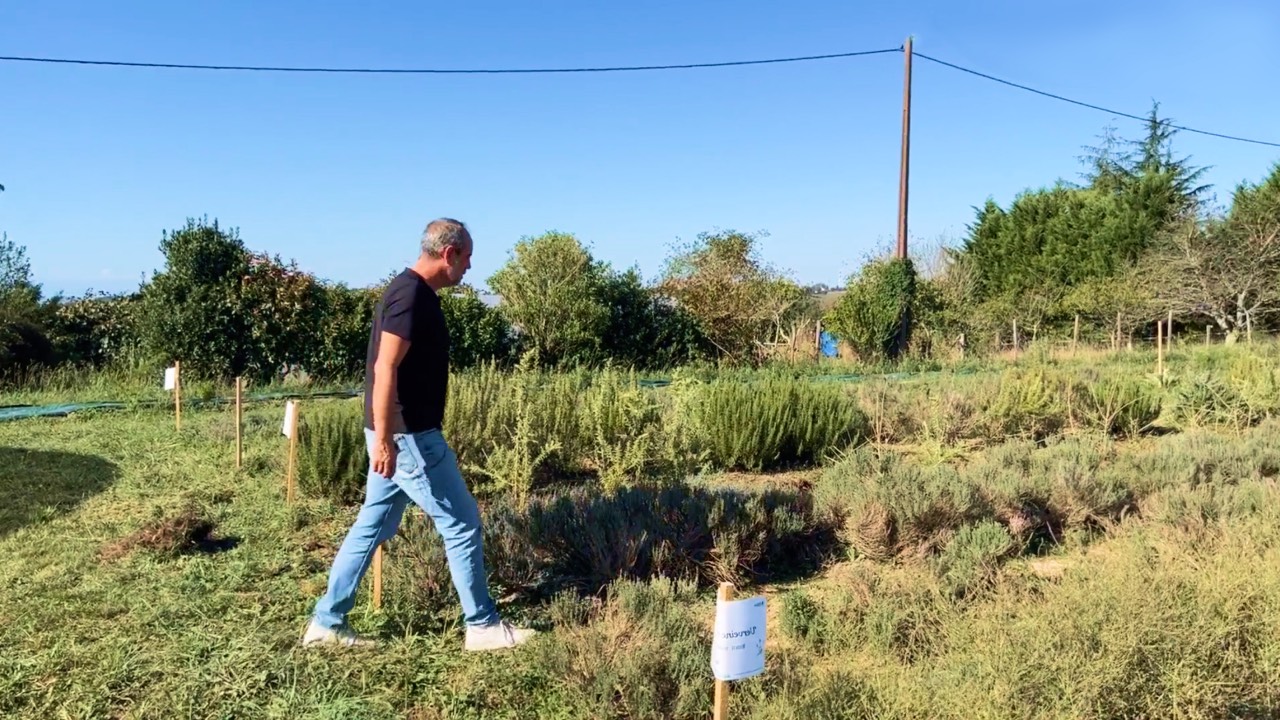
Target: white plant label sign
{"points": [[170, 378], [737, 650], [290, 419]]}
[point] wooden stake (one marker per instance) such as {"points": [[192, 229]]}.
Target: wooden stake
{"points": [[239, 416], [1118, 334], [1168, 332], [293, 452], [377, 577], [1015, 338], [1075, 336], [177, 395], [725, 594], [1208, 330], [1159, 348]]}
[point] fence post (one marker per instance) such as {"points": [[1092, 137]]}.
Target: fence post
{"points": [[1159, 348], [1075, 335], [239, 432], [292, 422], [177, 394], [377, 576]]}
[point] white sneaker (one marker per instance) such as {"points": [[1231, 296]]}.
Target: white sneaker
{"points": [[345, 636], [496, 636]]}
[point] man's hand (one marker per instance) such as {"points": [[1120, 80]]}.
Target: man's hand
{"points": [[384, 457]]}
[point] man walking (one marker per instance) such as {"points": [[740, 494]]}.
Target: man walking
{"points": [[406, 385]]}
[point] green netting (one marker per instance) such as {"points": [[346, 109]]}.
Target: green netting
{"points": [[24, 412]]}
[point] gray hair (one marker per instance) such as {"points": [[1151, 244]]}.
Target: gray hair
{"points": [[443, 233]]}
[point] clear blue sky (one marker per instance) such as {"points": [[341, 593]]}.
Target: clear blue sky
{"points": [[341, 172]]}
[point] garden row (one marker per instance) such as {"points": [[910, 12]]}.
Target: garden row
{"points": [[516, 432], [962, 523]]}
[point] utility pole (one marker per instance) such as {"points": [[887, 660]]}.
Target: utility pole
{"points": [[904, 168], [904, 326]]}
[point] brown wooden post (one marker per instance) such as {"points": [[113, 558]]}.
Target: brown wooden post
{"points": [[293, 453], [1168, 332], [721, 712], [177, 394], [239, 432], [377, 576], [1159, 348], [1118, 332], [1015, 338], [1208, 333], [1075, 335]]}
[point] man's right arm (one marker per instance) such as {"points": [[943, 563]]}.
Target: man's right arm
{"points": [[393, 344], [391, 350]]}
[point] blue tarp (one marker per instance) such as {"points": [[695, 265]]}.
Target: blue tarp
{"points": [[828, 347]]}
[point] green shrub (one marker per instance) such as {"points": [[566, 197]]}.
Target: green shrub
{"points": [[1117, 406], [621, 426], [589, 538], [885, 507], [1206, 399], [643, 656], [332, 459], [890, 410], [876, 302], [970, 560], [500, 423], [1029, 404], [802, 619], [772, 422], [583, 540]]}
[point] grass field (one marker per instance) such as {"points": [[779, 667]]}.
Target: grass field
{"points": [[1057, 573]]}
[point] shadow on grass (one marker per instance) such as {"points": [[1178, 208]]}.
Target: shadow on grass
{"points": [[37, 485], [583, 540]]}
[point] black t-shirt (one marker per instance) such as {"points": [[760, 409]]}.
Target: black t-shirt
{"points": [[410, 309]]}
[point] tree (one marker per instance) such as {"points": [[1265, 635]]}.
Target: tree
{"points": [[477, 332], [224, 311], [96, 329], [1048, 242], [740, 303], [15, 274], [1226, 269], [23, 340], [551, 292], [877, 301], [647, 331]]}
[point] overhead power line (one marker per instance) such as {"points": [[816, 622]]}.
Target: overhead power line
{"points": [[607, 69], [1089, 105], [448, 71]]}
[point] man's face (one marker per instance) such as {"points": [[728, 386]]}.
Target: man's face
{"points": [[459, 262]]}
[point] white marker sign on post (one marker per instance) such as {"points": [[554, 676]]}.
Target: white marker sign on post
{"points": [[170, 378], [737, 650], [290, 419]]}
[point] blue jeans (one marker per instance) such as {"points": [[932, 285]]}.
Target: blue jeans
{"points": [[426, 474]]}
